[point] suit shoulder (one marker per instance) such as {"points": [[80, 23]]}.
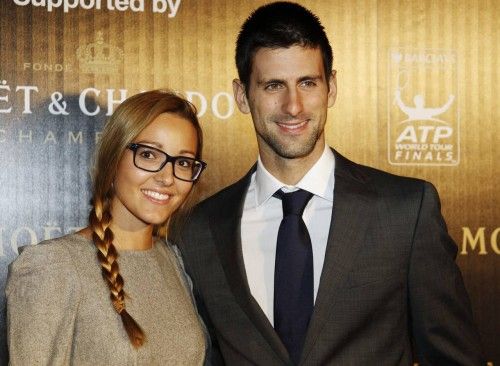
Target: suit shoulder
{"points": [[384, 182], [382, 176], [400, 193], [234, 191]]}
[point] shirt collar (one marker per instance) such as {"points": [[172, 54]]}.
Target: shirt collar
{"points": [[319, 180]]}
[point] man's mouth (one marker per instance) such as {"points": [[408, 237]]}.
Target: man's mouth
{"points": [[293, 126]]}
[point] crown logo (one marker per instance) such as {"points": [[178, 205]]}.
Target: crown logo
{"points": [[99, 57]]}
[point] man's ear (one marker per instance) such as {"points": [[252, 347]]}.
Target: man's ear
{"points": [[332, 84], [240, 96]]}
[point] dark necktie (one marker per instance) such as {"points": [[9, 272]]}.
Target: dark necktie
{"points": [[293, 274]]}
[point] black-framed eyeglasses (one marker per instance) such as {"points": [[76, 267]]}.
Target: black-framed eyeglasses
{"points": [[153, 160]]}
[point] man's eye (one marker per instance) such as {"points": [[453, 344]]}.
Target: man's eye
{"points": [[273, 86], [308, 83]]}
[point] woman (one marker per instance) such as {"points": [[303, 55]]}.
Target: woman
{"points": [[115, 293]]}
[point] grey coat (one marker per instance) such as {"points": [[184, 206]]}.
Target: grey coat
{"points": [[59, 311]]}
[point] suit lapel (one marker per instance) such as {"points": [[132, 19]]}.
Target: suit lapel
{"points": [[352, 209], [226, 227]]}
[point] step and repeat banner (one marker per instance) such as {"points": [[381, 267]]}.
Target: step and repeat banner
{"points": [[418, 87]]}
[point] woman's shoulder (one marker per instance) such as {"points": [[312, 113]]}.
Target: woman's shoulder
{"points": [[52, 251], [49, 262], [54, 255]]}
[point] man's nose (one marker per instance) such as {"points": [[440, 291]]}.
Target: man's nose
{"points": [[293, 103]]}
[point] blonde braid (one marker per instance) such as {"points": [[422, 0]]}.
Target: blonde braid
{"points": [[100, 219]]}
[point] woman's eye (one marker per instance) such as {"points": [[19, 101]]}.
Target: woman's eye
{"points": [[147, 154], [184, 163]]}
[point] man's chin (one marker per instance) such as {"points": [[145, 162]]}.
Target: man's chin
{"points": [[291, 152]]}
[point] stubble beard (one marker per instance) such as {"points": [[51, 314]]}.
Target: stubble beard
{"points": [[294, 148]]}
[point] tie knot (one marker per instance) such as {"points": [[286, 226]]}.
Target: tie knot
{"points": [[293, 203]]}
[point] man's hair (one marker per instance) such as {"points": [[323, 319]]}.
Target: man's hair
{"points": [[280, 25]]}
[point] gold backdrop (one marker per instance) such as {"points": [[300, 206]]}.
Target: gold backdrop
{"points": [[92, 55]]}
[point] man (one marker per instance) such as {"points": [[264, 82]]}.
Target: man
{"points": [[310, 258]]}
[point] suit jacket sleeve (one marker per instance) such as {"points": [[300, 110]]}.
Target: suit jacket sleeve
{"points": [[186, 236], [441, 316], [42, 299]]}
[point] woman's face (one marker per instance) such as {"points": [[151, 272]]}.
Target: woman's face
{"points": [[145, 198]]}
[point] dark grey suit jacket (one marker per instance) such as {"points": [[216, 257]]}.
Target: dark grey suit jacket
{"points": [[389, 279]]}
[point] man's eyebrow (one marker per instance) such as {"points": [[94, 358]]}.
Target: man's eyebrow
{"points": [[310, 77], [270, 81], [281, 81]]}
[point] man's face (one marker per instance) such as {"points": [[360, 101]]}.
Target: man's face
{"points": [[288, 97]]}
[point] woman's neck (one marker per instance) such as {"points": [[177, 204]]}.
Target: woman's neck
{"points": [[126, 239]]}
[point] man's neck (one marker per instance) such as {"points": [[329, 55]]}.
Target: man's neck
{"points": [[291, 171]]}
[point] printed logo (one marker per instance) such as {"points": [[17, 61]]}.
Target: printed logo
{"points": [[423, 120], [99, 57]]}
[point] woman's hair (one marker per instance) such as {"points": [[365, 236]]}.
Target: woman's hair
{"points": [[126, 123]]}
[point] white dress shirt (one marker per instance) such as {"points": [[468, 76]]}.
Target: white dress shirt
{"points": [[262, 215]]}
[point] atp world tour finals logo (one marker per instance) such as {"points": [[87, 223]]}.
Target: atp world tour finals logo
{"points": [[423, 118]]}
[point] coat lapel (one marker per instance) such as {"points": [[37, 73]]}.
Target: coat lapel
{"points": [[226, 227], [352, 209]]}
